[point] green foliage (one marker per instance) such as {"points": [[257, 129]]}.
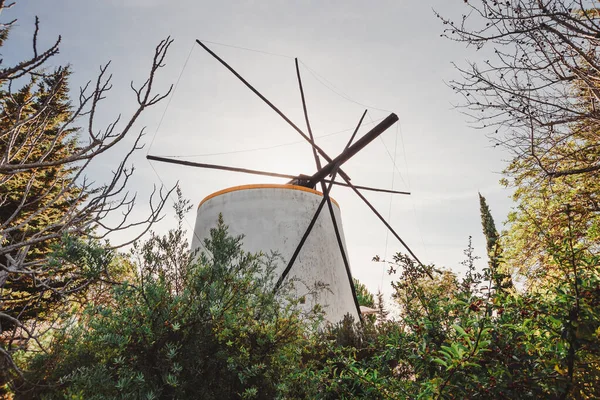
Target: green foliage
{"points": [[489, 228], [546, 210], [492, 344], [500, 280], [186, 327], [466, 339], [35, 199], [382, 312], [365, 298], [51, 215]]}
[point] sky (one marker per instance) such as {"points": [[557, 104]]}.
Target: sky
{"points": [[385, 56]]}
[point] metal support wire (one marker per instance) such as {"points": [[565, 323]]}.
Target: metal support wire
{"points": [[350, 151]]}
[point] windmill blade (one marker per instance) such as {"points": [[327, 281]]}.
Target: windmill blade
{"points": [[336, 228], [257, 172], [338, 237], [277, 110], [326, 199], [371, 189], [220, 167], [332, 168], [355, 148], [292, 259], [286, 271], [356, 130], [364, 199], [312, 138]]}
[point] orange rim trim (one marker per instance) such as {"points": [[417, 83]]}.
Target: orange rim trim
{"points": [[264, 186]]}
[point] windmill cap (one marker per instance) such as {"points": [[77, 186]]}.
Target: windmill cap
{"points": [[264, 186]]}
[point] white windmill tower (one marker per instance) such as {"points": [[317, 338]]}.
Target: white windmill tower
{"points": [[290, 218]]}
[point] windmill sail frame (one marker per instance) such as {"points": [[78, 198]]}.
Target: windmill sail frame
{"points": [[331, 169]]}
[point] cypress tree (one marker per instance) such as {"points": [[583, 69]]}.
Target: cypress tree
{"points": [[36, 201], [493, 246]]}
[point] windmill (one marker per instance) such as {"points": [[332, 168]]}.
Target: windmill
{"points": [[297, 200]]}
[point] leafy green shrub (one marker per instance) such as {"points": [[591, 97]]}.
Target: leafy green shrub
{"points": [[206, 327]]}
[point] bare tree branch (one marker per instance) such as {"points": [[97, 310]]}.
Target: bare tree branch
{"points": [[47, 147], [542, 88]]}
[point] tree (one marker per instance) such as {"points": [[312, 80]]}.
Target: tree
{"points": [[540, 88], [538, 94], [493, 246], [213, 330], [365, 298], [35, 200], [454, 342], [47, 144], [382, 312], [546, 216]]}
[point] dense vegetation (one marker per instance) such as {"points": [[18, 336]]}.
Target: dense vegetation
{"points": [[81, 319]]}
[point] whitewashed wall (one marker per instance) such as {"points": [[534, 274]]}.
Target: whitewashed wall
{"points": [[275, 217]]}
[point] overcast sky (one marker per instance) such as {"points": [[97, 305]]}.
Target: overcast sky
{"points": [[386, 55]]}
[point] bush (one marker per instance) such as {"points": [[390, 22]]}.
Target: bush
{"points": [[205, 327]]}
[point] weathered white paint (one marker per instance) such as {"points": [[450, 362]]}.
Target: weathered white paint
{"points": [[275, 217]]}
